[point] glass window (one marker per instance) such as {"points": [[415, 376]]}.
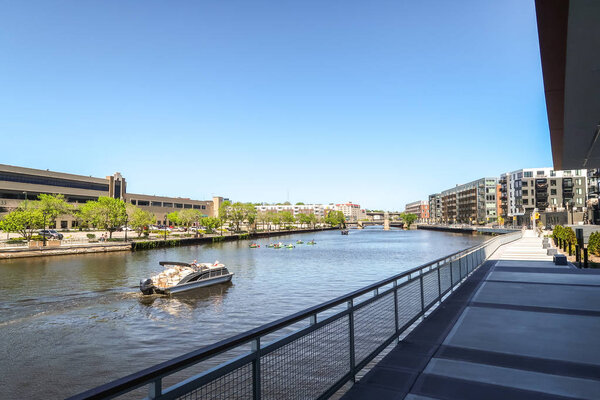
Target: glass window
{"points": [[525, 201], [178, 205], [579, 200], [187, 206], [204, 207], [525, 193], [156, 204], [553, 182], [553, 192], [552, 173], [524, 183], [540, 173], [196, 207], [143, 203], [528, 174], [167, 204], [48, 181]]}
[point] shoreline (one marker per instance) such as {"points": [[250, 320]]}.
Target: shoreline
{"points": [[91, 248]]}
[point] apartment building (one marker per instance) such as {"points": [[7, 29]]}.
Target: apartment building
{"points": [[473, 202], [320, 210], [419, 208], [19, 183], [351, 211], [524, 190], [435, 208]]}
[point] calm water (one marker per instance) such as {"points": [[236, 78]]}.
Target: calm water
{"points": [[69, 323]]}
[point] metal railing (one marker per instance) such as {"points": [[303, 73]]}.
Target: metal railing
{"points": [[341, 337]]}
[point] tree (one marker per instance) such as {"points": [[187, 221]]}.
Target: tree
{"points": [[408, 219], [139, 219], [224, 214], [262, 218], [304, 219], [335, 218], [287, 217], [299, 203], [106, 213], [210, 223], [313, 219], [188, 216], [53, 206], [173, 217], [25, 220], [276, 220], [237, 213]]}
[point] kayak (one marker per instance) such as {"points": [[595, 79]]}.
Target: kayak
{"points": [[312, 242], [299, 242], [254, 246]]}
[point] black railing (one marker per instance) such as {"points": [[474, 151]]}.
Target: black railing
{"points": [[316, 360]]}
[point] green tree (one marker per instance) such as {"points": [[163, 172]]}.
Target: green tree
{"points": [[408, 219], [224, 213], [237, 213], [188, 217], [313, 220], [276, 220], [335, 218], [287, 218], [173, 217], [25, 220], [304, 219], [106, 213], [262, 218], [53, 206], [210, 223], [299, 203], [139, 219]]}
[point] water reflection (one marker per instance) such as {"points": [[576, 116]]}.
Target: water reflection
{"points": [[184, 304]]}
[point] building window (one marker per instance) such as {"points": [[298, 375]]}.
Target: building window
{"points": [[178, 205], [525, 192], [540, 173], [187, 206], [554, 201], [579, 200], [524, 183], [578, 172], [203, 207], [552, 173], [553, 192], [156, 204], [143, 203], [552, 182], [528, 174], [64, 224], [525, 201], [167, 204], [74, 224], [196, 207], [578, 191], [43, 180], [134, 202]]}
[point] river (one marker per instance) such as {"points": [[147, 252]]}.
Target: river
{"points": [[69, 323]]}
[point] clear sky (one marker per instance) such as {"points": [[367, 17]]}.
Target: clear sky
{"points": [[375, 102]]}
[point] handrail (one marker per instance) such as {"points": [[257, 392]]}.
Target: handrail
{"points": [[148, 375]]}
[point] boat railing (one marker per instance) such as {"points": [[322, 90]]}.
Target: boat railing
{"points": [[337, 339]]}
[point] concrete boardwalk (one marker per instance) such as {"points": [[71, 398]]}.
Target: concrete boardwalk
{"points": [[518, 328]]}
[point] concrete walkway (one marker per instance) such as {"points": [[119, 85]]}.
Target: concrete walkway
{"points": [[518, 328]]}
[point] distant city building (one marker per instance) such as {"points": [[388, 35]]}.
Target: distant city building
{"points": [[524, 190], [435, 208], [419, 208], [473, 202], [19, 183], [351, 211]]}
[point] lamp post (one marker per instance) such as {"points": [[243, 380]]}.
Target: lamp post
{"points": [[165, 228], [44, 230], [126, 226]]}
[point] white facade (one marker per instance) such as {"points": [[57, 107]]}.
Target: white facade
{"points": [[317, 209], [351, 211]]}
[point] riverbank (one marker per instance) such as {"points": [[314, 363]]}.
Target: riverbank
{"points": [[137, 245], [484, 230]]}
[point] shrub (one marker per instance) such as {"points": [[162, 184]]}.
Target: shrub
{"points": [[91, 236], [244, 236], [594, 243], [218, 239]]}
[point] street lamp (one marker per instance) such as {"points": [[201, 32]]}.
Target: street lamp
{"points": [[126, 227], [165, 228], [44, 230]]}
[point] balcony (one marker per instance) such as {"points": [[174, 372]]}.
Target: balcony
{"points": [[541, 186]]}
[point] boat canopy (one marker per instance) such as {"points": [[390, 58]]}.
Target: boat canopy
{"points": [[180, 264]]}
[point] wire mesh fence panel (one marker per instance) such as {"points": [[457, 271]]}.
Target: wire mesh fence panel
{"points": [[445, 277], [235, 385], [409, 302], [306, 367], [455, 272], [373, 325], [463, 267], [431, 289]]}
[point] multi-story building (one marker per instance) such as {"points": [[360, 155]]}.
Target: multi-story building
{"points": [[18, 184], [320, 210], [435, 208], [419, 208], [473, 202], [351, 211], [524, 190]]}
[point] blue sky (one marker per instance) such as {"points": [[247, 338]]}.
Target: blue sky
{"points": [[379, 102]]}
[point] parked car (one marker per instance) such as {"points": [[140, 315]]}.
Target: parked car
{"points": [[50, 234]]}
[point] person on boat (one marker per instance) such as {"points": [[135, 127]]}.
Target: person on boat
{"points": [[194, 263]]}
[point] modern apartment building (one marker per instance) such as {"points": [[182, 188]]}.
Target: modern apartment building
{"points": [[435, 208], [419, 208], [19, 183], [473, 202], [524, 190]]}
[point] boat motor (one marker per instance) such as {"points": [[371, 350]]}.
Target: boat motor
{"points": [[146, 286]]}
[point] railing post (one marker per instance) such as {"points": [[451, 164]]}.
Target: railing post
{"points": [[155, 389], [351, 326], [256, 392], [578, 255], [570, 249], [585, 257], [460, 263]]}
